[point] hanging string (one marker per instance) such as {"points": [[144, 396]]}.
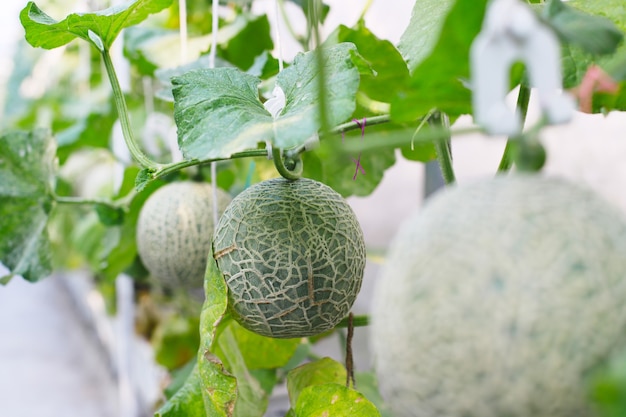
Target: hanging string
{"points": [[279, 46], [212, 55], [182, 18]]}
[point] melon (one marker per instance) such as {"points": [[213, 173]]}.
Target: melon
{"points": [[174, 232], [497, 298], [292, 255]]}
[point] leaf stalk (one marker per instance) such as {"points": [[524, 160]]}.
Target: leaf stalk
{"points": [[523, 98], [122, 111], [443, 147]]}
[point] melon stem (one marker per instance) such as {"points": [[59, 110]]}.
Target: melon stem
{"points": [[523, 98], [292, 173]]}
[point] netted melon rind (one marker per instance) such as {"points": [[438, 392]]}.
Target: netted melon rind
{"points": [[292, 254], [497, 298], [174, 232]]}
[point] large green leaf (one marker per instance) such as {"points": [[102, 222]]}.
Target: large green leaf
{"points": [[218, 111], [333, 400], [437, 81], [251, 41], [336, 167], [594, 34], [577, 61], [27, 172], [322, 371], [219, 387], [611, 9], [390, 70], [419, 39], [251, 398], [100, 28]]}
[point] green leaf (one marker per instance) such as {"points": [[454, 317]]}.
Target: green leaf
{"points": [[437, 76], [110, 216], [322, 371], [122, 254], [165, 75], [333, 400], [27, 171], [219, 387], [179, 378], [91, 131], [187, 402], [368, 386], [260, 352], [420, 37], [594, 34], [99, 28], [176, 341], [251, 398], [390, 70], [267, 378], [249, 43], [611, 9], [304, 5], [607, 386], [218, 112], [337, 167]]}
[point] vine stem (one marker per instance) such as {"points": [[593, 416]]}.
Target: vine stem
{"points": [[122, 110], [177, 166], [290, 174], [523, 98], [77, 201], [349, 355], [371, 121], [442, 147]]}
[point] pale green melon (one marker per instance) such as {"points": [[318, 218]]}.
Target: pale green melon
{"points": [[174, 232], [497, 298], [292, 254]]}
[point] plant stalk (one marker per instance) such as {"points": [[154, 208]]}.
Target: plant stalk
{"points": [[523, 98], [177, 166], [371, 121], [122, 111], [79, 201], [442, 147], [291, 174]]}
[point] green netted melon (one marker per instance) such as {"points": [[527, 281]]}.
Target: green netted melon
{"points": [[174, 232], [292, 254], [497, 298]]}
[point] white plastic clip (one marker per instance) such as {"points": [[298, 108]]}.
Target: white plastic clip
{"points": [[274, 105], [511, 32]]}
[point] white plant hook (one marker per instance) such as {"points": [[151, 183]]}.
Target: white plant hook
{"points": [[512, 32]]}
